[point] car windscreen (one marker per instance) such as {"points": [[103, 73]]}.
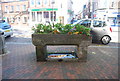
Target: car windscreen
{"points": [[79, 21], [86, 23], [4, 25]]}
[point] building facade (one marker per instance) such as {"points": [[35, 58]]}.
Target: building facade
{"points": [[53, 11], [0, 11], [15, 12], [108, 10]]}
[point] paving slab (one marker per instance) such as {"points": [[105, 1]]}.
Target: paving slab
{"points": [[20, 63]]}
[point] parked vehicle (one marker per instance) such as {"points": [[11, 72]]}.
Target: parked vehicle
{"points": [[6, 28], [100, 30], [2, 43], [73, 21]]}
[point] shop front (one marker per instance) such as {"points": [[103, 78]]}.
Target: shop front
{"points": [[43, 15]]}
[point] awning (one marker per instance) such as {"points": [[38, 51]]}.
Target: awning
{"points": [[45, 9]]}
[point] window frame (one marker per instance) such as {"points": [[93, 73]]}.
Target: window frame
{"points": [[101, 24], [87, 24]]}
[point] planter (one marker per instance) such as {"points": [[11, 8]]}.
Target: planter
{"points": [[42, 40]]}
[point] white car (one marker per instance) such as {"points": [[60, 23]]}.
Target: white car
{"points": [[6, 28], [100, 29]]}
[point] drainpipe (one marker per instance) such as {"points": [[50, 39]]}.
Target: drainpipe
{"points": [[92, 9], [1, 10], [107, 11]]}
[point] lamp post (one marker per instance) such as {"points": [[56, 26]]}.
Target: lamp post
{"points": [[53, 2], [1, 11]]}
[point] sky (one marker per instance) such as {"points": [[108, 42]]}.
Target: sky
{"points": [[78, 5]]}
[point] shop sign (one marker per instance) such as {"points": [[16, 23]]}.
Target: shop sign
{"points": [[45, 9]]}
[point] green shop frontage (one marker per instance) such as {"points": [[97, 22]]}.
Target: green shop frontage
{"points": [[43, 15]]}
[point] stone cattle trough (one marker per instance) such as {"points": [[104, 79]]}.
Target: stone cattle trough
{"points": [[42, 40]]}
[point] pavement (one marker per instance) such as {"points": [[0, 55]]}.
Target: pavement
{"points": [[20, 62]]}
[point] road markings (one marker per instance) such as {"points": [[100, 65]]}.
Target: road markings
{"points": [[105, 46], [17, 43]]}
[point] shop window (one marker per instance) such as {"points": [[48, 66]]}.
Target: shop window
{"points": [[33, 16], [39, 16], [53, 16], [46, 14]]}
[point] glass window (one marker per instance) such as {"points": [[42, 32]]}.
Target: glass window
{"points": [[54, 16], [25, 20], [45, 2], [32, 2], [6, 8], [98, 23], [18, 19], [86, 23], [104, 24], [12, 8], [39, 16], [24, 7], [52, 1], [46, 14], [38, 2], [51, 16], [18, 8], [33, 16]]}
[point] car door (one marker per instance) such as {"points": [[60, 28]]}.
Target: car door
{"points": [[98, 29]]}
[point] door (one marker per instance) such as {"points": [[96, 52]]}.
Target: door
{"points": [[98, 29]]}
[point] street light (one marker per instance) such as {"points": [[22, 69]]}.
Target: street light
{"points": [[1, 11], [53, 2]]}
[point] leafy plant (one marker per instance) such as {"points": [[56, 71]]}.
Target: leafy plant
{"points": [[61, 29], [82, 29]]}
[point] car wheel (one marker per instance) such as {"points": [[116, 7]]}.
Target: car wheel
{"points": [[105, 40]]}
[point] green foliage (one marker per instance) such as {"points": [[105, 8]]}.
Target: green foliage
{"points": [[67, 28], [82, 29], [61, 29]]}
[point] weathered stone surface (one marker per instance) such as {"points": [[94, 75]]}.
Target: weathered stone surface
{"points": [[42, 40]]}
